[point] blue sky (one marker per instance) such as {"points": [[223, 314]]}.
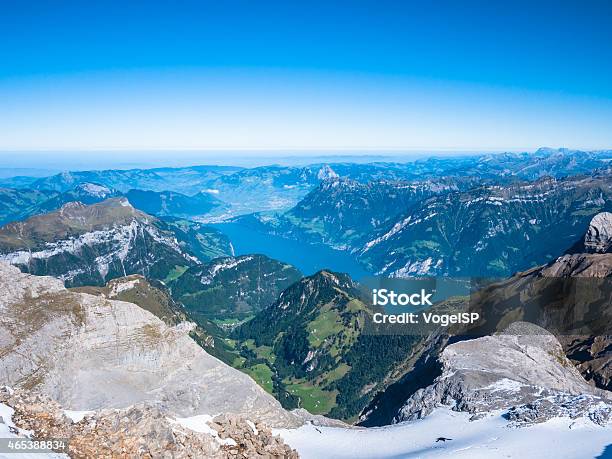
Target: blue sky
{"points": [[435, 75]]}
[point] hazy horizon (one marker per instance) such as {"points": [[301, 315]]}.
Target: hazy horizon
{"points": [[44, 162]]}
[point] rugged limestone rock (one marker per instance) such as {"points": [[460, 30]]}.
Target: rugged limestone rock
{"points": [[598, 238], [143, 430], [525, 365], [571, 297], [154, 296], [90, 352], [561, 405]]}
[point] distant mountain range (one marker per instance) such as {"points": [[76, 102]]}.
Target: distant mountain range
{"points": [[273, 188], [344, 213], [490, 230], [17, 204]]}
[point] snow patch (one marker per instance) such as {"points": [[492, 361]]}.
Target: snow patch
{"points": [[200, 424], [486, 438], [222, 266], [93, 189], [77, 416]]}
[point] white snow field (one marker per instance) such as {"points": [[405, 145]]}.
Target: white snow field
{"points": [[487, 438]]}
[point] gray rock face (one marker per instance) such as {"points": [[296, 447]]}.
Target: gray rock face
{"points": [[92, 244], [562, 405], [524, 365], [90, 352], [598, 238]]}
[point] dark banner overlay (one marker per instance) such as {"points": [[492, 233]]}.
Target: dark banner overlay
{"points": [[477, 306]]}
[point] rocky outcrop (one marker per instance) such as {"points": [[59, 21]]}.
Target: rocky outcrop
{"points": [[592, 355], [579, 265], [143, 430], [150, 295], [598, 238], [524, 367], [561, 406], [90, 352], [570, 297]]}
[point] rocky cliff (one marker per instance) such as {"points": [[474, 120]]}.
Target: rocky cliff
{"points": [[89, 245], [90, 352], [523, 370]]}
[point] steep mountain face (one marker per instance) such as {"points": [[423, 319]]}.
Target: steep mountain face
{"points": [[14, 204], [489, 231], [154, 296], [310, 350], [92, 244], [89, 352], [598, 238], [522, 370], [570, 297], [344, 213], [233, 288], [579, 313]]}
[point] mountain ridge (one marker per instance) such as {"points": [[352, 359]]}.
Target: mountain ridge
{"points": [[91, 244]]}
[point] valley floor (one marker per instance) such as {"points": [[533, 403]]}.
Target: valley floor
{"points": [[486, 438]]}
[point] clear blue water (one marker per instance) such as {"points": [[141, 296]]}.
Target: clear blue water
{"points": [[308, 258]]}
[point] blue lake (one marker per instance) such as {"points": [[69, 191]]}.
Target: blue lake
{"points": [[308, 258]]}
